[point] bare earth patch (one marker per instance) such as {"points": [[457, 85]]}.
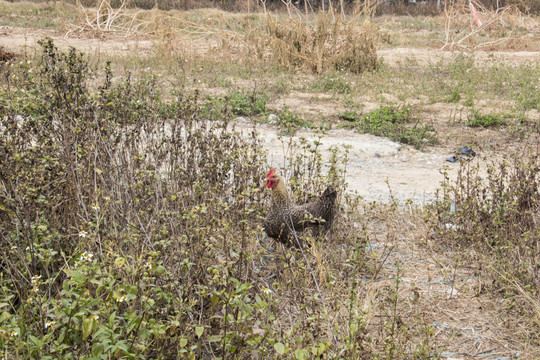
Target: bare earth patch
{"points": [[396, 56], [448, 295]]}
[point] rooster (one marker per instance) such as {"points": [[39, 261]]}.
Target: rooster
{"points": [[285, 217]]}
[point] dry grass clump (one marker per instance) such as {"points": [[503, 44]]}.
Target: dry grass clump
{"points": [[314, 42], [495, 27], [329, 43], [6, 55], [497, 219]]}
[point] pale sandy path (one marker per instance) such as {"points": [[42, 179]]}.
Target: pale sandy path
{"points": [[373, 160]]}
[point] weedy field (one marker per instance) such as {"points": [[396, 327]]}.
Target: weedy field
{"points": [[132, 167]]}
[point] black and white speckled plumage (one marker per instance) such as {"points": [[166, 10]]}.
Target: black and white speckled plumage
{"points": [[284, 215]]}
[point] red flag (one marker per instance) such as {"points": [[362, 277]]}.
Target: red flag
{"points": [[474, 13]]}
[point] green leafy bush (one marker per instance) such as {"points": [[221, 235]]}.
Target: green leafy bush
{"points": [[290, 120], [247, 105], [103, 196], [395, 124], [476, 119], [235, 103], [332, 84], [130, 228]]}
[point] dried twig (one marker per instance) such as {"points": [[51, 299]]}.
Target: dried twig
{"points": [[460, 27], [107, 20]]}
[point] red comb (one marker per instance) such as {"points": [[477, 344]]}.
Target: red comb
{"points": [[271, 172]]}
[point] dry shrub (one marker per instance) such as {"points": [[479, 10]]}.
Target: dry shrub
{"points": [[498, 26], [496, 217], [105, 19], [411, 9], [6, 55], [331, 42]]}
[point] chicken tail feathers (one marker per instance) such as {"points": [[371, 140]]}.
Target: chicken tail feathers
{"points": [[330, 194]]}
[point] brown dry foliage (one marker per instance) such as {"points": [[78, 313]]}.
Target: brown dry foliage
{"points": [[331, 42], [6, 55], [500, 25]]}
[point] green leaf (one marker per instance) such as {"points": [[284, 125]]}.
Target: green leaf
{"points": [[300, 354], [280, 348], [144, 333], [183, 342], [35, 340], [123, 346], [87, 327], [119, 261], [5, 316], [133, 324], [199, 330], [62, 335], [111, 318], [322, 348], [214, 338], [258, 300], [160, 270], [95, 325], [97, 349], [76, 276]]}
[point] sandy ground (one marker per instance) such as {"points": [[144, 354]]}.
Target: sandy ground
{"points": [[395, 56], [375, 166]]}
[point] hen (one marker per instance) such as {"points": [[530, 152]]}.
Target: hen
{"points": [[284, 215]]}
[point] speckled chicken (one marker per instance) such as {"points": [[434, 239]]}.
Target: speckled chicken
{"points": [[284, 215]]}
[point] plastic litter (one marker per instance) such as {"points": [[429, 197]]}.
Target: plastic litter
{"points": [[463, 153]]}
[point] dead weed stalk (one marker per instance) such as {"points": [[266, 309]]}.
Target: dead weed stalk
{"points": [[318, 41], [500, 26], [106, 20]]}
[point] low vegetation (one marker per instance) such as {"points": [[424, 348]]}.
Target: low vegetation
{"points": [[395, 123], [131, 228], [493, 222], [476, 119], [131, 208]]}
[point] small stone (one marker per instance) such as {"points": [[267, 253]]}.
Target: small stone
{"points": [[273, 118]]}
